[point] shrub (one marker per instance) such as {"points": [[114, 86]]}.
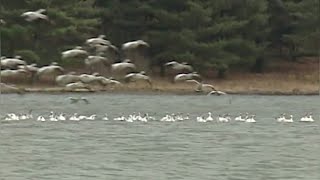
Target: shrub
{"points": [[28, 55]]}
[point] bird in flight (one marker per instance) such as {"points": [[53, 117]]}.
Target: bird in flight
{"points": [[74, 100]]}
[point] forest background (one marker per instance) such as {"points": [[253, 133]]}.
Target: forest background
{"points": [[219, 35]]}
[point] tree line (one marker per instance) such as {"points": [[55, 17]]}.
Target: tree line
{"points": [[217, 34]]}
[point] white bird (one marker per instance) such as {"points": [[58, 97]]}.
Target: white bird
{"points": [[100, 40], [141, 76], [12, 117], [35, 15], [120, 118], [105, 49], [168, 118], [142, 118], [125, 65], [53, 70], [134, 44], [224, 118], [288, 120], [201, 119], [90, 78], [74, 117], [281, 118], [149, 117], [184, 77], [76, 52], [216, 93], [251, 119], [26, 116], [105, 117], [19, 75], [239, 118], [77, 85], [201, 86], [179, 67], [2, 22], [65, 79], [307, 118], [61, 117], [209, 118], [12, 63], [92, 117], [52, 117], [41, 118], [23, 117], [93, 62], [179, 117], [108, 81]]}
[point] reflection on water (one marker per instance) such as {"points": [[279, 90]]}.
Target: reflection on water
{"points": [[101, 149]]}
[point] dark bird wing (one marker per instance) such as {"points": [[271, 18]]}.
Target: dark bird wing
{"points": [[85, 100]]}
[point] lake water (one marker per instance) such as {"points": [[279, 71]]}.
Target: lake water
{"points": [[98, 149]]}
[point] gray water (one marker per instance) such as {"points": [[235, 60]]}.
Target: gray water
{"points": [[160, 150]]}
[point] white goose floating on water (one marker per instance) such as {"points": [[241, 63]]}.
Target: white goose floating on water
{"points": [[120, 118], [289, 119], [105, 117], [12, 117], [281, 118], [307, 118], [179, 117], [209, 118], [74, 117], [201, 119], [224, 118], [91, 117], [168, 118], [41, 118], [241, 118], [61, 117], [251, 119], [52, 117]]}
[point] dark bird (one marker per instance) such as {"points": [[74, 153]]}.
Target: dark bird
{"points": [[74, 100]]}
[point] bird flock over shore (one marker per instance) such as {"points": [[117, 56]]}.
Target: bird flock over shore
{"points": [[97, 52], [145, 117]]}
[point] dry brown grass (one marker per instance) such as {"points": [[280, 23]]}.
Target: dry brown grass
{"points": [[284, 78]]}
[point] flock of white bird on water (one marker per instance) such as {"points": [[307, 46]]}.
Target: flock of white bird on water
{"points": [[145, 117], [15, 68]]}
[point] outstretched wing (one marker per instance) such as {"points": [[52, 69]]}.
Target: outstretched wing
{"points": [[85, 100], [73, 100], [208, 86]]}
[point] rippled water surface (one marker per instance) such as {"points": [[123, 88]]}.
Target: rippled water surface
{"points": [[101, 149]]}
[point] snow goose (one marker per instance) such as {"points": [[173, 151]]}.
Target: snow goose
{"points": [[209, 118], [41, 118], [307, 118], [179, 67], [184, 77], [251, 119], [35, 15], [141, 76], [201, 86]]}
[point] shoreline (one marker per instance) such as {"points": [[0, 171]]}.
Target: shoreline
{"points": [[156, 91]]}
